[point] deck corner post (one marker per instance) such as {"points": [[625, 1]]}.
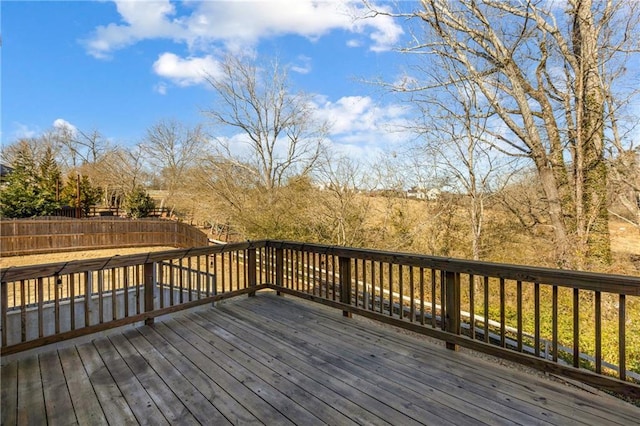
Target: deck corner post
{"points": [[344, 265], [452, 305], [149, 287], [3, 314], [251, 271], [279, 269]]}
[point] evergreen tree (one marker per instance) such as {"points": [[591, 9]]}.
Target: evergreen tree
{"points": [[90, 195], [138, 203], [48, 181], [19, 196]]}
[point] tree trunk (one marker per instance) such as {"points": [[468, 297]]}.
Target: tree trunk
{"points": [[590, 169]]}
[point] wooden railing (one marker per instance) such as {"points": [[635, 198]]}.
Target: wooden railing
{"points": [[580, 325], [44, 304]]}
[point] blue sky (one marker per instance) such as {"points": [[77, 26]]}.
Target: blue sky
{"points": [[120, 67]]}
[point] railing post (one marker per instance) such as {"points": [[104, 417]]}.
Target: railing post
{"points": [[279, 269], [452, 305], [251, 272], [344, 267], [3, 315], [149, 287]]}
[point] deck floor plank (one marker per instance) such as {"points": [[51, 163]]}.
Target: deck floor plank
{"points": [[85, 401], [320, 402], [9, 378], [267, 391], [184, 363], [259, 408], [369, 395], [56, 394], [31, 408], [458, 393], [274, 360], [199, 406], [113, 403], [420, 399], [478, 373], [171, 406], [349, 400], [141, 403]]}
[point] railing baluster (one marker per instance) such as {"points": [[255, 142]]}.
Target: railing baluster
{"points": [[519, 313], [622, 344], [40, 292], [486, 309], [100, 297], [434, 319], [576, 327], [357, 286], [443, 301], [87, 298], [114, 295], [390, 270], [400, 292], [502, 314], [189, 279], [72, 301], [536, 316], [421, 295], [554, 318], [412, 306], [472, 310], [598, 331], [23, 312], [181, 280], [125, 284], [57, 284]]}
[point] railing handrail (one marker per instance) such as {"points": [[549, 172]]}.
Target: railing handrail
{"points": [[15, 273], [595, 281]]}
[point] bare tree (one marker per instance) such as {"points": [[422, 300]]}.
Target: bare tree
{"points": [[541, 70], [341, 204], [78, 147], [275, 133], [172, 149], [457, 141]]}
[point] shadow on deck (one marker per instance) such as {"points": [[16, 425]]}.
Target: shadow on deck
{"points": [[275, 360]]}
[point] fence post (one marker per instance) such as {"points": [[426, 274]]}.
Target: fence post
{"points": [[251, 272], [149, 286], [279, 269], [344, 268], [452, 305]]}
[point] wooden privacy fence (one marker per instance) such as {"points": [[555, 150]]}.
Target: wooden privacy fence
{"points": [[581, 325], [33, 236]]}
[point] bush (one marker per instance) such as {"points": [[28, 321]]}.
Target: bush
{"points": [[138, 203]]}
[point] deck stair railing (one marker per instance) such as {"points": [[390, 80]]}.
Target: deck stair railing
{"points": [[576, 324]]}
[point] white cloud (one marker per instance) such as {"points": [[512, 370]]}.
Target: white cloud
{"points": [[361, 114], [160, 88], [185, 72], [23, 131], [238, 24], [63, 125], [303, 66]]}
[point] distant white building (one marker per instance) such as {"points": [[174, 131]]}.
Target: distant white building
{"points": [[424, 194]]}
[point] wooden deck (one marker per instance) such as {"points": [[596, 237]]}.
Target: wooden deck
{"points": [[276, 360]]}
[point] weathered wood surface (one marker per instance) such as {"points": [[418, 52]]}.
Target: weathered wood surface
{"points": [[282, 361], [32, 236]]}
